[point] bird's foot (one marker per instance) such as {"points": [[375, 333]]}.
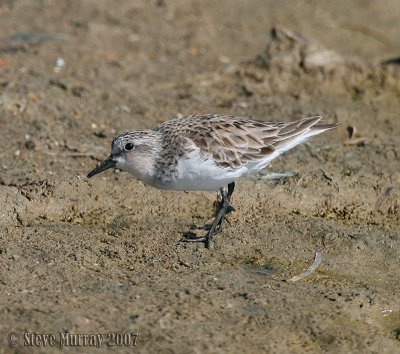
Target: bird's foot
{"points": [[192, 237], [207, 238], [207, 227], [224, 207]]}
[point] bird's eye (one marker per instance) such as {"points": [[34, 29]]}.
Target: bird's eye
{"points": [[129, 147]]}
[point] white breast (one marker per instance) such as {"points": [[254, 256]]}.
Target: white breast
{"points": [[200, 173]]}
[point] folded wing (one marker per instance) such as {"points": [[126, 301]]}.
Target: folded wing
{"points": [[234, 141]]}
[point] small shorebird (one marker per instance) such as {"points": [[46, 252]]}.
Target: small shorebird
{"points": [[206, 153]]}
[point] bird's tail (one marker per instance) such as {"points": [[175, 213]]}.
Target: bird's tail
{"points": [[295, 133], [300, 131]]}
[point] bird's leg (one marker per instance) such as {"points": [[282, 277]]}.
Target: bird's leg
{"points": [[224, 208], [217, 206]]}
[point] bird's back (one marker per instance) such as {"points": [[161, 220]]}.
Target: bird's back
{"points": [[235, 141]]}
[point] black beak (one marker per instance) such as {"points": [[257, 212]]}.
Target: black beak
{"points": [[105, 165]]}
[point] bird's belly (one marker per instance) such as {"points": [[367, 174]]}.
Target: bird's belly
{"points": [[200, 175], [199, 183]]}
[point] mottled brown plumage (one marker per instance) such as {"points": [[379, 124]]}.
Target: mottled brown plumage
{"points": [[234, 141]]}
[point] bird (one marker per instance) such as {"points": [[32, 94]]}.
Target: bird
{"points": [[209, 152]]}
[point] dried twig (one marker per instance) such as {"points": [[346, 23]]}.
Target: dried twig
{"points": [[309, 271], [380, 201], [313, 152], [330, 179], [357, 141]]}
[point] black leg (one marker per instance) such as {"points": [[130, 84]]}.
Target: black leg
{"points": [[224, 208], [231, 188]]}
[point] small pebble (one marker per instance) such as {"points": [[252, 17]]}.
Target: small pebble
{"points": [[30, 145]]}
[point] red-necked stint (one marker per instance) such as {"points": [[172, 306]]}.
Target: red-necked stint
{"points": [[206, 153]]}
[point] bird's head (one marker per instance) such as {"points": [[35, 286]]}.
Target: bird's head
{"points": [[132, 151]]}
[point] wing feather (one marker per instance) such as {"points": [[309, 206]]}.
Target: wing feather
{"points": [[235, 141]]}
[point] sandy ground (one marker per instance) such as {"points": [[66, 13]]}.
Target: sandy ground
{"points": [[103, 255]]}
